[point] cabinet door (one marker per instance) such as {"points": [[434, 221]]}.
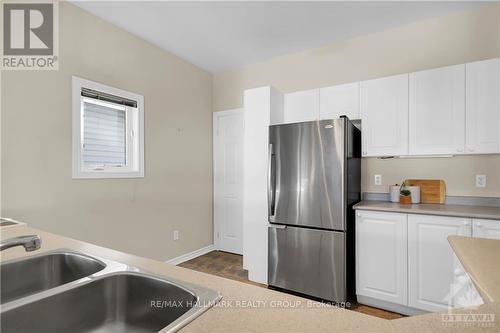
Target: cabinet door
{"points": [[483, 107], [463, 291], [486, 228], [340, 100], [437, 111], [384, 114], [432, 264], [301, 106], [381, 258]]}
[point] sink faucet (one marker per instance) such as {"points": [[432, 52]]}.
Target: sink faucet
{"points": [[30, 242]]}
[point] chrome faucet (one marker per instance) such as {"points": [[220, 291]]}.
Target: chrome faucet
{"points": [[29, 242]]}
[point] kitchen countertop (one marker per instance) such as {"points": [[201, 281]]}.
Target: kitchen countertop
{"points": [[238, 311], [477, 256], [480, 212]]}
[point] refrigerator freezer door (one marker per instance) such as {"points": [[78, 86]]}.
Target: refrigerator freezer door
{"points": [[308, 261], [307, 169]]}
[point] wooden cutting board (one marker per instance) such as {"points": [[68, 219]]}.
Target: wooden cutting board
{"points": [[431, 190]]}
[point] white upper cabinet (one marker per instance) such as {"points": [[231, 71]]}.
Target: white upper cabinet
{"points": [[340, 100], [437, 111], [444, 111], [302, 106], [483, 107], [384, 114]]}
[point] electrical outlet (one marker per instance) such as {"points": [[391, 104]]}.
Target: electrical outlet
{"points": [[377, 179], [176, 235], [480, 180]]}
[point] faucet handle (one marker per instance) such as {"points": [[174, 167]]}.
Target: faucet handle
{"points": [[33, 244]]}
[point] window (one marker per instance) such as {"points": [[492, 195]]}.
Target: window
{"points": [[108, 131]]}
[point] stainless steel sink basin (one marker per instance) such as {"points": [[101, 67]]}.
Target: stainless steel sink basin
{"points": [[29, 276], [120, 302]]}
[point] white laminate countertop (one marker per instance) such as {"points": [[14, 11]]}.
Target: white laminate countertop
{"points": [[479, 212]]}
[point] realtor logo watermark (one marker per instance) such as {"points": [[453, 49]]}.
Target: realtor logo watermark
{"points": [[30, 35]]}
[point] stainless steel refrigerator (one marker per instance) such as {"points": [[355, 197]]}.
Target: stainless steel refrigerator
{"points": [[313, 182]]}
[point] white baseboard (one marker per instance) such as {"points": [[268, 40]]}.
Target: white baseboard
{"points": [[191, 255], [398, 308]]}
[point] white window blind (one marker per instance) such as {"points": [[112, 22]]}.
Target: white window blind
{"points": [[104, 134], [108, 131]]}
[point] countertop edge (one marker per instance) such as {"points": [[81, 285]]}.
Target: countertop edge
{"points": [[446, 209], [480, 261]]}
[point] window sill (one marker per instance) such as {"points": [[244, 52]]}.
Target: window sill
{"points": [[108, 174]]}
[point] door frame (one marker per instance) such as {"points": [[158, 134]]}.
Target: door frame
{"points": [[216, 223]]}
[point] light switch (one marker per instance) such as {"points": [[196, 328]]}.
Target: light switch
{"points": [[377, 179], [480, 180]]}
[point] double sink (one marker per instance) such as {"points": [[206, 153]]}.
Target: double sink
{"points": [[66, 291]]}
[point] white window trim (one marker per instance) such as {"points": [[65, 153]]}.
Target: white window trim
{"points": [[81, 172]]}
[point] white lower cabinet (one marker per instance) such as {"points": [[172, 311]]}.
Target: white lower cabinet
{"points": [[486, 228], [381, 256], [404, 262], [432, 264], [463, 292]]}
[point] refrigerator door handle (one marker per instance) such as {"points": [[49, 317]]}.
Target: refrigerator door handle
{"points": [[271, 184]]}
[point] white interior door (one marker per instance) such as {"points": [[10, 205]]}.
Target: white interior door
{"points": [[228, 180]]}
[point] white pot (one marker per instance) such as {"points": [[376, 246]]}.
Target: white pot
{"points": [[415, 194], [394, 190]]}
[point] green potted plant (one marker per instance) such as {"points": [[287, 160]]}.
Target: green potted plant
{"points": [[404, 194]]}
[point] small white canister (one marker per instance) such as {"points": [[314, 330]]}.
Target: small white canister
{"points": [[394, 193], [415, 194]]}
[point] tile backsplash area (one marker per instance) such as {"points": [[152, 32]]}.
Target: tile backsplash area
{"points": [[459, 173]]}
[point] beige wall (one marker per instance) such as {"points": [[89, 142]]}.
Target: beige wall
{"points": [[132, 215], [453, 39]]}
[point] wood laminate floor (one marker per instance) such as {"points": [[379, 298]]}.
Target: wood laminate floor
{"points": [[230, 266]]}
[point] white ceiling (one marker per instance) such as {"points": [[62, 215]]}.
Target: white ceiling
{"points": [[223, 35]]}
